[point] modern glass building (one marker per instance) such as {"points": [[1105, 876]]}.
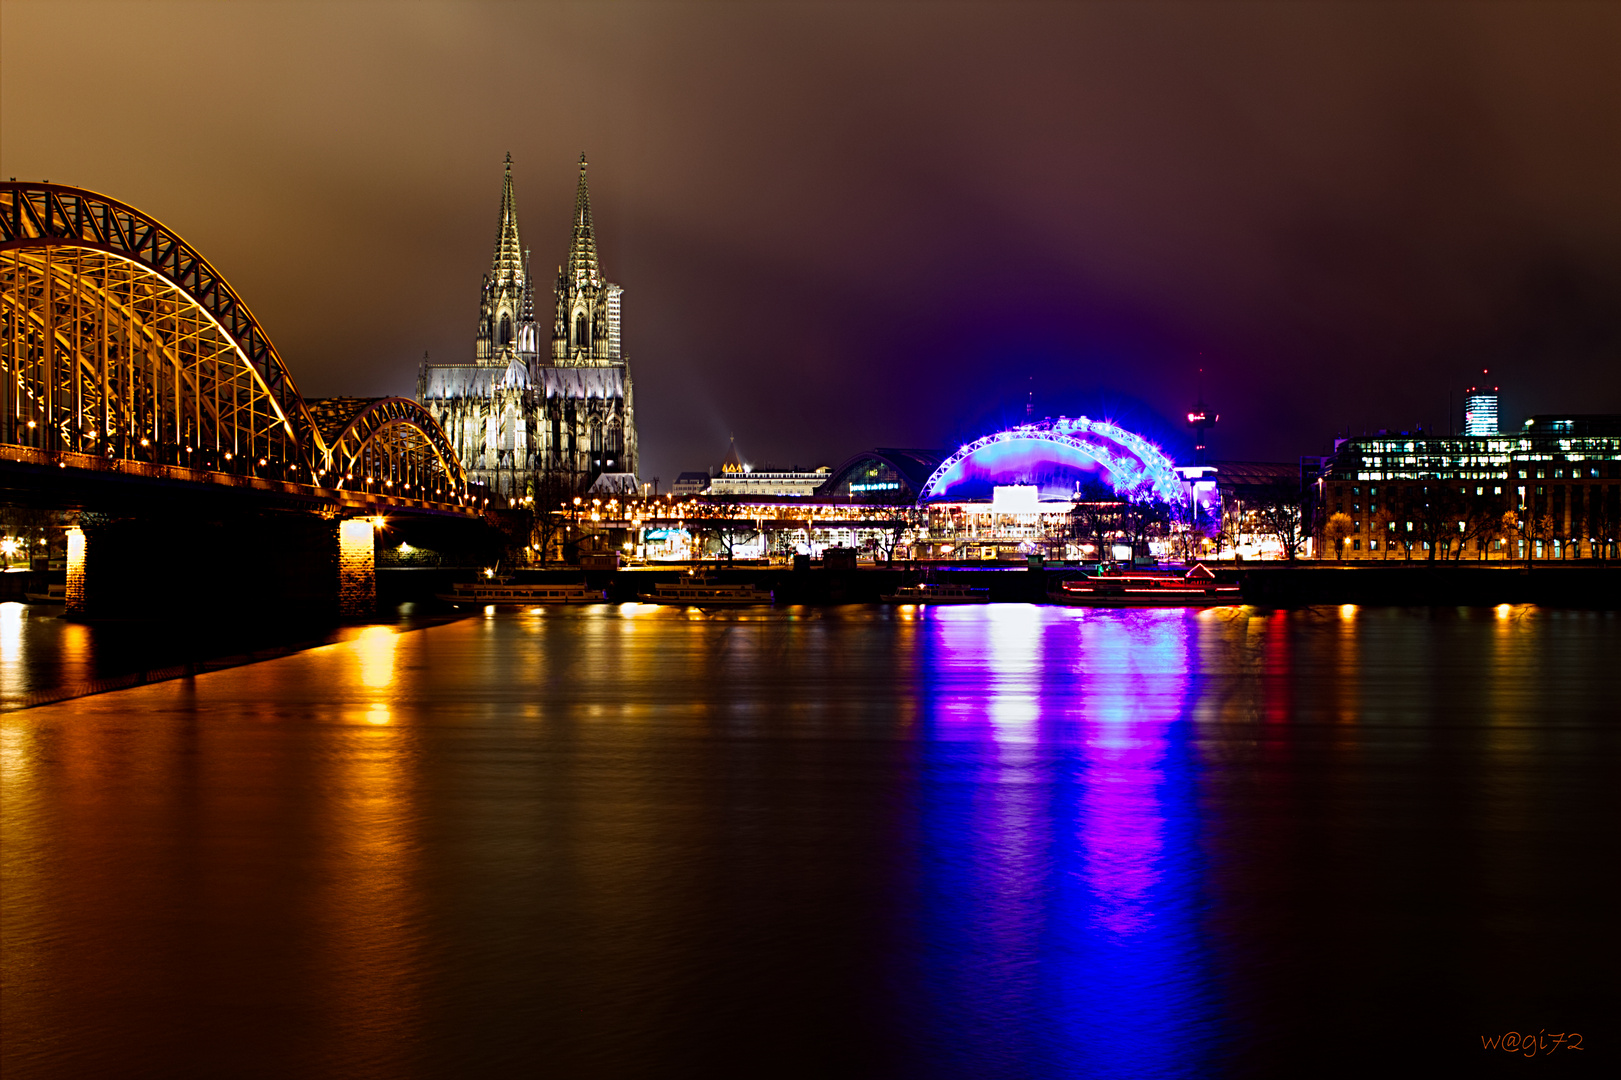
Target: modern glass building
{"points": [[1551, 490], [1480, 410]]}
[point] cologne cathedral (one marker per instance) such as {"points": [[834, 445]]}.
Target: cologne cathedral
{"points": [[525, 420]]}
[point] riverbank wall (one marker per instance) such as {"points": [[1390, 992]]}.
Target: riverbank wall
{"points": [[1573, 585]]}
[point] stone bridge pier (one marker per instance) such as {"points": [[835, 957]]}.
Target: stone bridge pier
{"points": [[272, 566]]}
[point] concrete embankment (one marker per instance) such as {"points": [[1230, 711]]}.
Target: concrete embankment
{"points": [[1271, 585], [1575, 585]]}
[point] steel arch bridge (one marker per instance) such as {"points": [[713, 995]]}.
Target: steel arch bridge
{"points": [[385, 446], [1136, 467], [125, 351]]}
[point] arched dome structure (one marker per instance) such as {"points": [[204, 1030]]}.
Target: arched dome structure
{"points": [[1054, 456], [884, 474]]}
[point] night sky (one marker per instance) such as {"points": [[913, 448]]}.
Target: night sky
{"points": [[841, 226]]}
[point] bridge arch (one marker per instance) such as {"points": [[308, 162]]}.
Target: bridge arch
{"points": [[1052, 455], [387, 446], [123, 341]]}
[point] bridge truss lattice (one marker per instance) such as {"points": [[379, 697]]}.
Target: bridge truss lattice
{"points": [[122, 348]]}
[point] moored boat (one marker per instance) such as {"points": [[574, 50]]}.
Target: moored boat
{"points": [[938, 594], [1198, 587], [53, 594], [502, 592], [695, 590]]}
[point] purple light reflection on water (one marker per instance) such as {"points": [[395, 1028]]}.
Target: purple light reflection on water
{"points": [[1060, 867]]}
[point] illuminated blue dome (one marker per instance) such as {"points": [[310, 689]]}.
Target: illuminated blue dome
{"points": [[1054, 456]]}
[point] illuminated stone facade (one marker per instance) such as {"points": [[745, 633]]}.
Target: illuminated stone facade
{"points": [[519, 420], [75, 589], [357, 568]]}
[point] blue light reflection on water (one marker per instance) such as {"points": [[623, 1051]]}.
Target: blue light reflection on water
{"points": [[1060, 870]]}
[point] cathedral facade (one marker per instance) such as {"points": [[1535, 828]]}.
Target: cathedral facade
{"points": [[528, 417]]}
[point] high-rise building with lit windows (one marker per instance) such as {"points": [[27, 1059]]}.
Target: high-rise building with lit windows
{"points": [[1480, 410]]}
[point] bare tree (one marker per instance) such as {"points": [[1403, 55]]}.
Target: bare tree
{"points": [[1384, 526], [892, 521], [549, 496], [1481, 519], [727, 520], [1092, 522], [1277, 510], [1604, 523], [1433, 510], [1336, 532], [1189, 528], [1538, 526], [1142, 518]]}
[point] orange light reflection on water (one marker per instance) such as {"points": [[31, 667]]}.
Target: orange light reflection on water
{"points": [[375, 649]]}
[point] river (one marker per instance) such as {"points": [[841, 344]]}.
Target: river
{"points": [[1009, 840]]}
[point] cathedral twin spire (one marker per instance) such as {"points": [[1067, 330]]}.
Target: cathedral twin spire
{"points": [[586, 327], [511, 262], [510, 265], [582, 255]]}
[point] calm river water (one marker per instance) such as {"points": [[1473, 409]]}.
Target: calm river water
{"points": [[958, 842]]}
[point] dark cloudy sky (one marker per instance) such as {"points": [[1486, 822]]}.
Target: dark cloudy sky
{"points": [[847, 225]]}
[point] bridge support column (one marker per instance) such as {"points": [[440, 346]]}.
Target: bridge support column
{"points": [[357, 569], [76, 553]]}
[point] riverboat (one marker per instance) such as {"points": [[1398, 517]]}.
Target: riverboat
{"points": [[1197, 588], [938, 594], [53, 594], [705, 591], [500, 591]]}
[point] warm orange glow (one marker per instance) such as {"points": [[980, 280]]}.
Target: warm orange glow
{"points": [[375, 650], [75, 590]]}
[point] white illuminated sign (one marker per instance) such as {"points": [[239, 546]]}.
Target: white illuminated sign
{"points": [[1015, 499]]}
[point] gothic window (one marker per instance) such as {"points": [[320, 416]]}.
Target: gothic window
{"points": [[582, 331], [506, 331]]}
